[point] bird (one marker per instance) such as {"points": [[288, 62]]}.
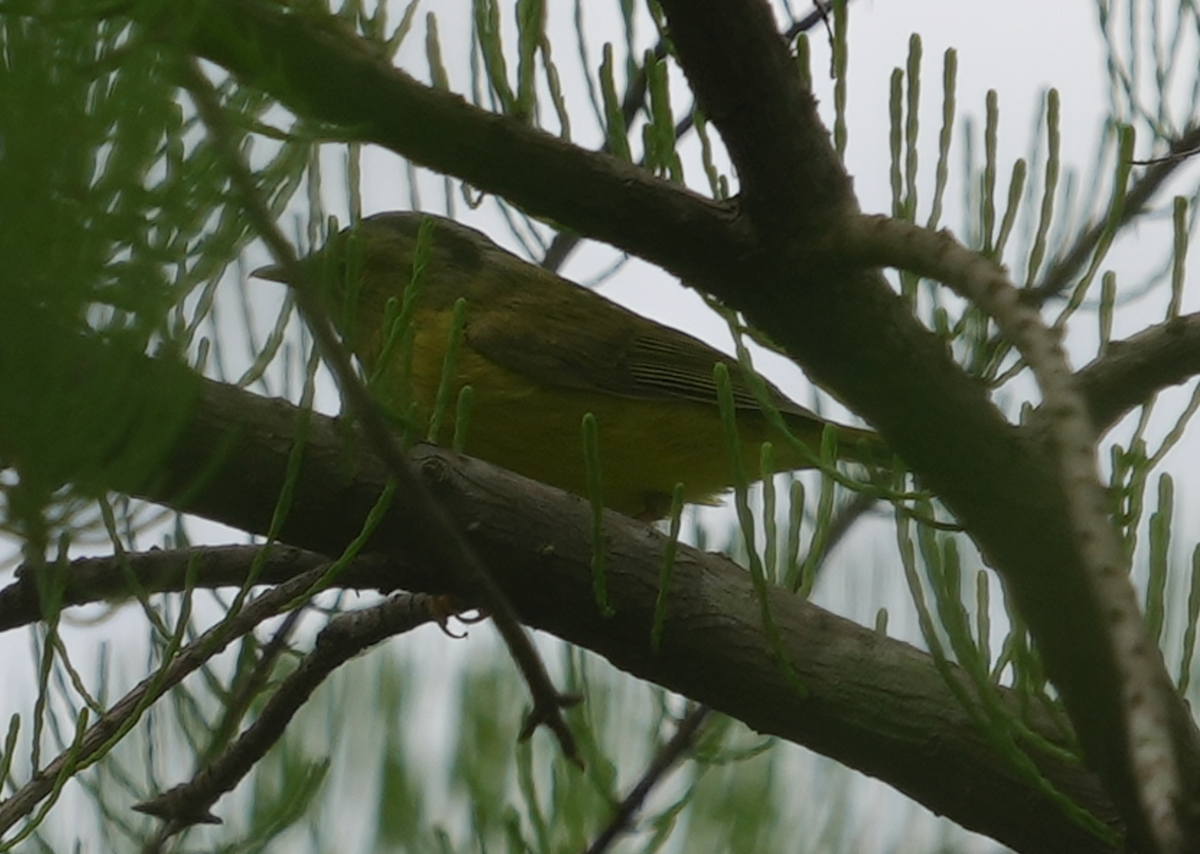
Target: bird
{"points": [[540, 352]]}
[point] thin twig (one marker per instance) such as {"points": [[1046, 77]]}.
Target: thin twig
{"points": [[1060, 273], [344, 638], [846, 516], [123, 714], [238, 702], [682, 741], [116, 578]]}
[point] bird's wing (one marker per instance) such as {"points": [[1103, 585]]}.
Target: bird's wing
{"points": [[587, 342]]}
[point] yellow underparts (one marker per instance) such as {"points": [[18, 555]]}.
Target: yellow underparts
{"points": [[646, 446]]}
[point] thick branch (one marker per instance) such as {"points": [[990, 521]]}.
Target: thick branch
{"points": [[855, 339], [1141, 734], [325, 73], [749, 87], [1130, 372], [873, 703]]}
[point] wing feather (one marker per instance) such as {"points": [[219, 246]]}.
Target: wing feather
{"points": [[584, 341]]}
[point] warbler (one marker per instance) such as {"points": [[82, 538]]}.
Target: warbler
{"points": [[539, 353]]}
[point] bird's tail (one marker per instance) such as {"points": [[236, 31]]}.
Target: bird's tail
{"points": [[852, 443]]}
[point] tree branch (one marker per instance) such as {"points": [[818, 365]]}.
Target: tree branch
{"points": [[322, 71], [1134, 730], [120, 577], [1149, 732], [343, 638], [1059, 275], [685, 737], [1130, 372], [91, 743], [876, 704]]}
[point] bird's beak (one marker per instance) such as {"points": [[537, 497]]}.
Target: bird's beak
{"points": [[271, 272]]}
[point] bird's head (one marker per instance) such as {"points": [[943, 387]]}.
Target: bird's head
{"points": [[361, 267]]}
